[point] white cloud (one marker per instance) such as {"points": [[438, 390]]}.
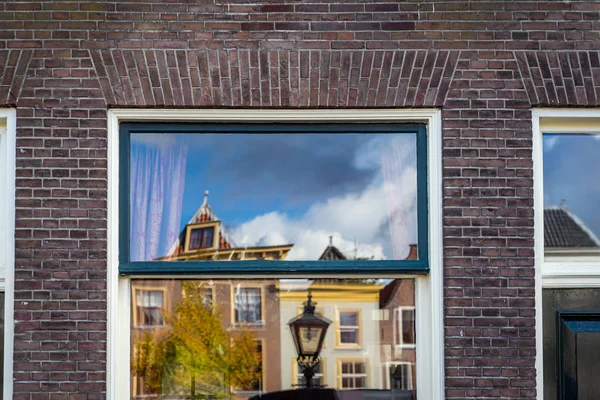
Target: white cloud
{"points": [[550, 142], [384, 210]]}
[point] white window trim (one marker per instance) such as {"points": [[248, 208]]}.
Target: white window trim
{"points": [[398, 323], [389, 365], [8, 134], [428, 290], [556, 274]]}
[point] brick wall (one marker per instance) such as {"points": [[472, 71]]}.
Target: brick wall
{"points": [[486, 63]]}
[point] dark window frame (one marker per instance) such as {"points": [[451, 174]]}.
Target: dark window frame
{"points": [[140, 268]]}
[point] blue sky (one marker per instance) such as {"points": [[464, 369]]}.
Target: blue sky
{"points": [[272, 189], [572, 175]]}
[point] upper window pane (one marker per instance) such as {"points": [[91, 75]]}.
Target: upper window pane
{"points": [[571, 197], [252, 195]]}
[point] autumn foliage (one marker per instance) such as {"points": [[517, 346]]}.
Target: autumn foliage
{"points": [[196, 356]]}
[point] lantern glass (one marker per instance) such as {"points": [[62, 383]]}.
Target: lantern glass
{"points": [[309, 340]]}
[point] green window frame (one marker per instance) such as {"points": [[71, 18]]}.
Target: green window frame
{"points": [[141, 268]]}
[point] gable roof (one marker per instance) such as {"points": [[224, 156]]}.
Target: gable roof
{"points": [[331, 252], [203, 214], [563, 229]]}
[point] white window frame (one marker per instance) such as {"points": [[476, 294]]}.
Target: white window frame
{"points": [[138, 314], [556, 274], [398, 323], [428, 290], [358, 328], [236, 305], [8, 134], [341, 375], [388, 368]]}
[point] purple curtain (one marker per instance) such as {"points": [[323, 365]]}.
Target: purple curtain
{"points": [[157, 182]]}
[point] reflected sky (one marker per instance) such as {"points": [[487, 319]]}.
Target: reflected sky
{"points": [[572, 175], [272, 189]]}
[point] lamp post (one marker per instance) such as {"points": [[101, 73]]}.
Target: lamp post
{"points": [[308, 331]]}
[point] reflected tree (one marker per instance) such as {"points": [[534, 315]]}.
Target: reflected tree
{"points": [[196, 357]]}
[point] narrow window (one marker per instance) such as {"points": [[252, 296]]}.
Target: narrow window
{"points": [[150, 307], [400, 376], [349, 327], [248, 307]]}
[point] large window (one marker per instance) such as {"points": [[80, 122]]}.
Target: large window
{"points": [[266, 215], [201, 352], [222, 198], [566, 147]]}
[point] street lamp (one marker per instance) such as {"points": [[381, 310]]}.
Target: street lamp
{"points": [[308, 331]]}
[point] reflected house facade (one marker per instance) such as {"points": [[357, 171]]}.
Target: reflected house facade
{"points": [[567, 237], [350, 354], [249, 306], [364, 347], [398, 334]]}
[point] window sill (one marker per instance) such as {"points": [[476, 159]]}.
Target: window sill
{"points": [[406, 346]]}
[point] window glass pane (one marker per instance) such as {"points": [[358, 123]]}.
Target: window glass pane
{"points": [[348, 337], [408, 326], [207, 353], [247, 305], [255, 196], [201, 238], [401, 376], [348, 318], [571, 197]]}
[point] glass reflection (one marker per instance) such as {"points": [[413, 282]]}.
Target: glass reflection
{"points": [[571, 197], [189, 341], [272, 197]]}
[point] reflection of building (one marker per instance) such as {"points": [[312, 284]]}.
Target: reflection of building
{"points": [[397, 302], [371, 343], [242, 305], [251, 306], [205, 238], [351, 349], [567, 237]]}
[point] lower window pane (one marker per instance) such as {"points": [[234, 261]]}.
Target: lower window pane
{"points": [[239, 344]]}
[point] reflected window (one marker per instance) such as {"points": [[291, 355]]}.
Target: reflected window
{"points": [[317, 380], [248, 305], [349, 327], [201, 238], [149, 307], [353, 374], [256, 383], [571, 196], [400, 376], [207, 296], [404, 322]]}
